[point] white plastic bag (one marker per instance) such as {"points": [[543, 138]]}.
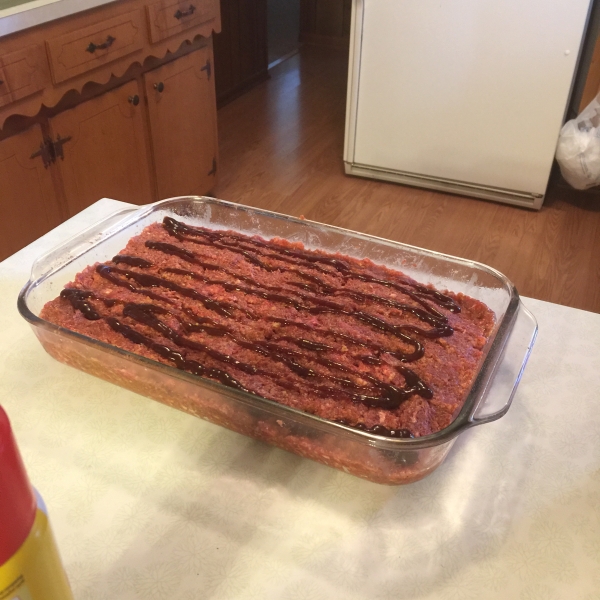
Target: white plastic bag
{"points": [[578, 150]]}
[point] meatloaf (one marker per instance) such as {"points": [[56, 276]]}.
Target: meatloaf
{"points": [[345, 339]]}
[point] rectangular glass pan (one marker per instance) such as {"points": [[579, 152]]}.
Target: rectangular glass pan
{"points": [[376, 458]]}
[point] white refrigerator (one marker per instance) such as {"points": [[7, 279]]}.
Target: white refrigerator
{"points": [[465, 96]]}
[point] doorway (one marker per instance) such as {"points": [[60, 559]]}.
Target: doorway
{"points": [[283, 29]]}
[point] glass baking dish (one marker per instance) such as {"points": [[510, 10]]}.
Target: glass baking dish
{"points": [[376, 458]]}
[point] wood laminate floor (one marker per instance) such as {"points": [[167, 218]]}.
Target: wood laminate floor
{"points": [[281, 148]]}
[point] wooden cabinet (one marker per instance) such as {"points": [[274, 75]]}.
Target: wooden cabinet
{"points": [[29, 204], [90, 84], [106, 149], [103, 149], [184, 142]]}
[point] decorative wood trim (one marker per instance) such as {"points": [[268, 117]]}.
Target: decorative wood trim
{"points": [[69, 96], [29, 107], [102, 76], [127, 64]]}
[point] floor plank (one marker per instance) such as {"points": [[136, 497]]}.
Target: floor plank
{"points": [[281, 148]]}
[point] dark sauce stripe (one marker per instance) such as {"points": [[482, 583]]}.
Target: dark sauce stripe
{"points": [[80, 300], [145, 280], [323, 306], [227, 238], [177, 358], [439, 323], [309, 293], [145, 314], [133, 261], [389, 396]]}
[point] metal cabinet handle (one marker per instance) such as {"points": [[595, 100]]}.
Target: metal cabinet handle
{"points": [[110, 40], [57, 146], [159, 87], [45, 152], [49, 151], [206, 68], [186, 13], [214, 166], [135, 100]]}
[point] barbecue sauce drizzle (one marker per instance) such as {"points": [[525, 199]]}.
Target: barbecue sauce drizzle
{"points": [[177, 229], [389, 397]]}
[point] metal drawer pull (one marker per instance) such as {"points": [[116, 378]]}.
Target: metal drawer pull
{"points": [[159, 87], [186, 13], [135, 100], [110, 40]]}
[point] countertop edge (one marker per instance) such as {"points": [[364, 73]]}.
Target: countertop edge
{"points": [[38, 12]]}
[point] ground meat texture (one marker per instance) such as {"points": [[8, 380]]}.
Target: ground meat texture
{"points": [[345, 339]]}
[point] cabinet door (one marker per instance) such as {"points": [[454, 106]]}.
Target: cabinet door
{"points": [[183, 124], [106, 155], [29, 206]]}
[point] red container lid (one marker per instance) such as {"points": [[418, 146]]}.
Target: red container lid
{"points": [[17, 501]]}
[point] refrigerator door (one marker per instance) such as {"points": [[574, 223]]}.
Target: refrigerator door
{"points": [[467, 91]]}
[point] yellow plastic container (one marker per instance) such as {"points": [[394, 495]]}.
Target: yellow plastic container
{"points": [[30, 567], [35, 571]]}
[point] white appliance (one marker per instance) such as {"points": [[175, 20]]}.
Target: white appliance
{"points": [[465, 96]]}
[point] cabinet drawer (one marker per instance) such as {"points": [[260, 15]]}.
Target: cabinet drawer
{"points": [[79, 51], [168, 17], [22, 73]]}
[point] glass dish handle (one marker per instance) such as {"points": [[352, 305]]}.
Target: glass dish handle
{"points": [[79, 243], [502, 387]]}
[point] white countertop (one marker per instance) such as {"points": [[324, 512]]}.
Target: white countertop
{"points": [[150, 503], [38, 12]]}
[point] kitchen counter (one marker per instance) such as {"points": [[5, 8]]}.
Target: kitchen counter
{"points": [[16, 15], [147, 502]]}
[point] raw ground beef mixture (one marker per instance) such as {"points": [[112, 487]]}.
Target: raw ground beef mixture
{"points": [[341, 338]]}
